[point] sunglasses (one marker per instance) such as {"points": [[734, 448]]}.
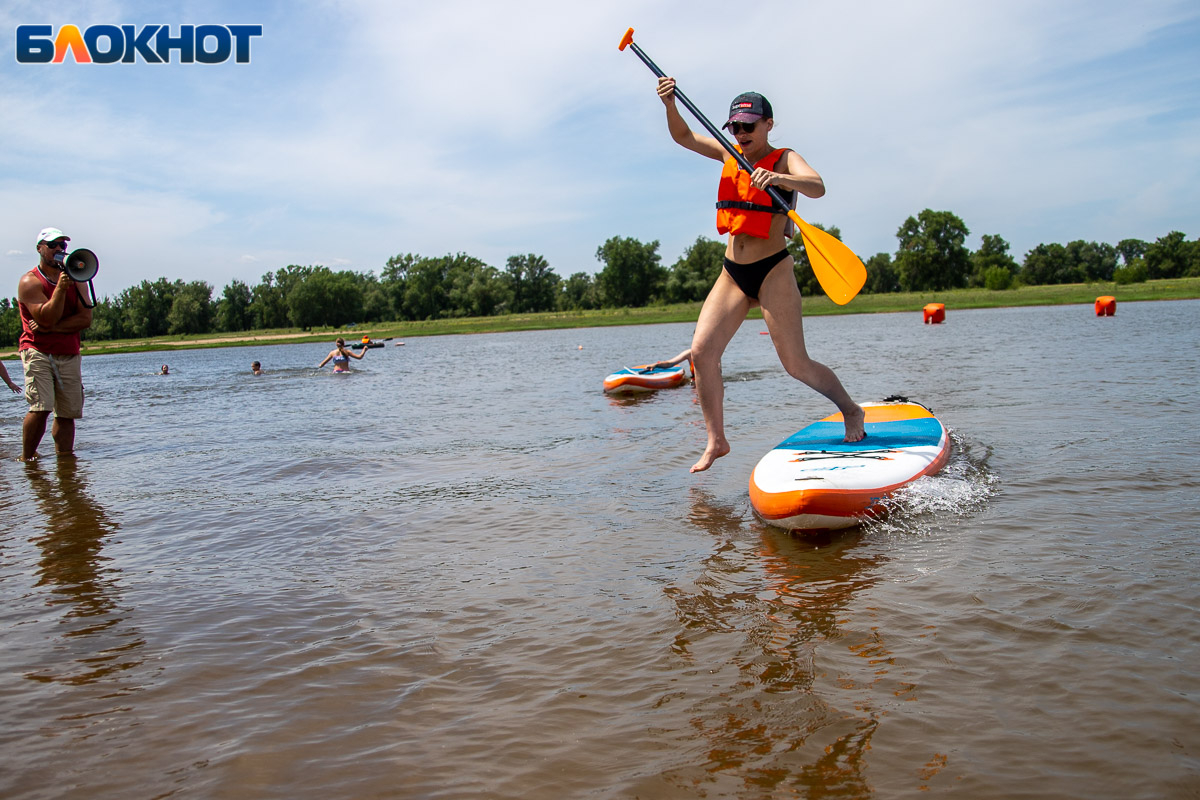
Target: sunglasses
{"points": [[742, 127], [59, 245]]}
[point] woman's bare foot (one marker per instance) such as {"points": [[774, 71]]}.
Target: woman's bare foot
{"points": [[854, 424], [714, 451]]}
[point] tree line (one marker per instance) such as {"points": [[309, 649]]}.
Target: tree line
{"points": [[931, 256]]}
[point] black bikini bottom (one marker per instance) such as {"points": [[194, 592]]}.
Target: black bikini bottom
{"points": [[749, 277]]}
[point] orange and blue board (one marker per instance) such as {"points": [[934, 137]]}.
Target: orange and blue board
{"points": [[645, 378], [815, 481]]}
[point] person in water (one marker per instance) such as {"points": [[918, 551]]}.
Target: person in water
{"points": [[256, 368], [758, 270], [341, 356], [165, 370], [52, 318]]}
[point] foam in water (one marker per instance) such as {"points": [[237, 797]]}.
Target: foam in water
{"points": [[962, 488]]}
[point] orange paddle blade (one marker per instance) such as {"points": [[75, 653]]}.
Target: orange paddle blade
{"points": [[840, 272], [626, 39]]}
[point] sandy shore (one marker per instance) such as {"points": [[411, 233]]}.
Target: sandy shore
{"points": [[224, 340]]}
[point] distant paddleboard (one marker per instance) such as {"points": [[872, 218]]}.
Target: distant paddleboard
{"points": [[645, 379], [814, 481]]}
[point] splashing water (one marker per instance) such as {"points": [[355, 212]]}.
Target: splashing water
{"points": [[961, 489]]}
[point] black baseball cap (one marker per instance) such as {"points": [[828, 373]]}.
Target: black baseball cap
{"points": [[749, 107]]}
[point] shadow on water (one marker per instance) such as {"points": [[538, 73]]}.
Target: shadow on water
{"points": [[765, 725], [95, 643], [634, 399], [631, 400]]}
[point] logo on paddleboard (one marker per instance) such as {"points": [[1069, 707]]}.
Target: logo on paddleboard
{"points": [[127, 44]]}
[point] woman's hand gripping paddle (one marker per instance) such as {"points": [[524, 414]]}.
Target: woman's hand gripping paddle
{"points": [[839, 271]]}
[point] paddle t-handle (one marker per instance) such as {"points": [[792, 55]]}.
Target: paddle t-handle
{"points": [[840, 272]]}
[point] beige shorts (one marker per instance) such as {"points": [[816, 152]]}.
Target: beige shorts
{"points": [[53, 383]]}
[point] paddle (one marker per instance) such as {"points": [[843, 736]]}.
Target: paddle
{"points": [[840, 272]]}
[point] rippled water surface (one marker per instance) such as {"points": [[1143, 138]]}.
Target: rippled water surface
{"points": [[463, 571]]}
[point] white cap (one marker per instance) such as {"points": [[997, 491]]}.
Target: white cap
{"points": [[50, 234]]}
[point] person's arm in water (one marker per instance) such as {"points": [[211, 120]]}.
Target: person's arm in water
{"points": [[680, 132], [686, 355], [8, 380], [332, 353]]}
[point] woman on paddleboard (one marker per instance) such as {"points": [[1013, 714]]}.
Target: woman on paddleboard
{"points": [[341, 356], [758, 269]]}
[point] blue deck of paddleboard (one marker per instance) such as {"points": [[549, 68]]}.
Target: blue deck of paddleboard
{"points": [[924, 432], [655, 371]]}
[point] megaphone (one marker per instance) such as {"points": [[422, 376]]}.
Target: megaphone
{"points": [[81, 266]]}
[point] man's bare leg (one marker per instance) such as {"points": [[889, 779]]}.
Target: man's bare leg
{"points": [[32, 431], [63, 433]]}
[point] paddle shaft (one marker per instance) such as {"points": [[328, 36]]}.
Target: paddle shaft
{"points": [[712, 129]]}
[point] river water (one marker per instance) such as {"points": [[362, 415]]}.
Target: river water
{"points": [[463, 571]]}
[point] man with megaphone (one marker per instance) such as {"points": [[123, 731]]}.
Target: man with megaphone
{"points": [[52, 316]]}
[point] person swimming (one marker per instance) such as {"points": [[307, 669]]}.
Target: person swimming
{"points": [[340, 356]]}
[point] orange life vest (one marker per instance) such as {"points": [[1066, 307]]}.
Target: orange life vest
{"points": [[741, 208]]}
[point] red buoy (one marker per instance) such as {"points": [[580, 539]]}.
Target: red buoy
{"points": [[1106, 306], [935, 313]]}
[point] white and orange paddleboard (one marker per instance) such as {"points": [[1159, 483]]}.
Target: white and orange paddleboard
{"points": [[645, 379], [815, 481]]}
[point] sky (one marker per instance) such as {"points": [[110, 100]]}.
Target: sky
{"points": [[365, 129]]}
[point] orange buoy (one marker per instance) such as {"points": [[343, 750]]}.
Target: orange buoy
{"points": [[935, 313], [1106, 306]]}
